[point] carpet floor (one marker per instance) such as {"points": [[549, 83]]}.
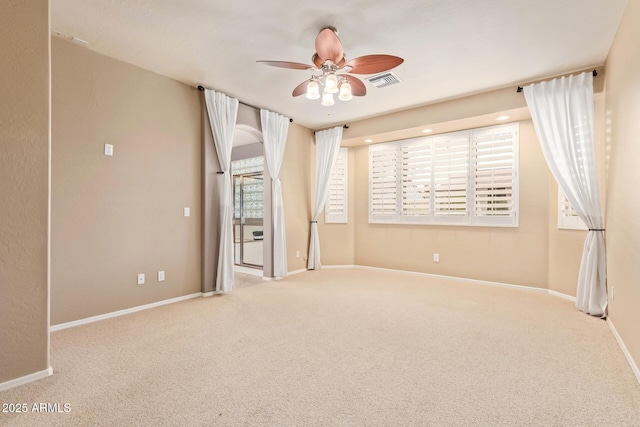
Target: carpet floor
{"points": [[340, 347]]}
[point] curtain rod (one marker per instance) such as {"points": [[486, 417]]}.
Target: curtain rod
{"points": [[201, 89], [595, 73], [343, 126]]}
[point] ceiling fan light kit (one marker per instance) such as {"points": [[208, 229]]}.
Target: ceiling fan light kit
{"points": [[331, 61], [327, 99], [331, 83], [345, 92], [313, 90]]}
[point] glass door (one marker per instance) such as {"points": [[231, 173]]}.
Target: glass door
{"points": [[248, 219]]}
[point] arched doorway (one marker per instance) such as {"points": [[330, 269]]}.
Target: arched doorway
{"points": [[247, 168]]}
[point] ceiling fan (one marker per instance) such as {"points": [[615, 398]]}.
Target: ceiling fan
{"points": [[331, 61]]}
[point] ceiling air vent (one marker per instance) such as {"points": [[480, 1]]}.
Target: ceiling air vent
{"points": [[384, 79]]}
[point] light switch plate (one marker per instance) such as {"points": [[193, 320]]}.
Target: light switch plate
{"points": [[187, 211], [108, 150], [141, 279], [160, 276]]}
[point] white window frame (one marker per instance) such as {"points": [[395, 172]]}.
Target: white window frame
{"points": [[338, 189], [391, 181], [493, 221], [469, 218], [568, 218]]}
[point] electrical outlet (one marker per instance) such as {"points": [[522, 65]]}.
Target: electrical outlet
{"points": [[297, 254], [187, 211], [108, 150], [436, 257], [141, 279], [160, 276]]}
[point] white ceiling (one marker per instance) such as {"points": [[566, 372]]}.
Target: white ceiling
{"points": [[451, 47]]}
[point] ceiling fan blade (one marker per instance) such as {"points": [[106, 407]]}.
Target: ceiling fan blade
{"points": [[357, 86], [317, 60], [285, 64], [371, 64], [301, 89], [328, 46]]}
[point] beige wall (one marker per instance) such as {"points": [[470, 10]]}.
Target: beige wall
{"points": [[535, 254], [500, 254], [337, 241], [24, 188], [623, 199], [465, 108], [296, 182], [509, 255], [115, 217]]}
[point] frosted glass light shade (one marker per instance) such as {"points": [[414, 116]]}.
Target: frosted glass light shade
{"points": [[345, 92], [331, 84], [327, 99], [313, 90]]}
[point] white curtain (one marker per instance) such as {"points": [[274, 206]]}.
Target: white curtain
{"points": [[562, 111], [222, 111], [327, 147], [274, 133]]}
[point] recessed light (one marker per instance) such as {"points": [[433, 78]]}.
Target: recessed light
{"points": [[502, 118], [427, 130], [368, 140]]}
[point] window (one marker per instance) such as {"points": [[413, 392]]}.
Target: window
{"points": [[252, 191], [567, 217], [335, 211], [494, 162], [383, 181], [465, 178], [450, 176], [416, 179]]}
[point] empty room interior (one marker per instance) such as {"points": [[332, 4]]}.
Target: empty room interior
{"points": [[320, 213]]}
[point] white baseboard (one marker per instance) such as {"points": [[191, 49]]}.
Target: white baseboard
{"points": [[26, 379], [247, 270], [210, 293], [338, 266], [302, 270], [463, 279], [561, 295], [92, 319], [632, 363]]}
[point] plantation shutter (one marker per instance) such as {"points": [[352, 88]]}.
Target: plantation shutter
{"points": [[450, 174], [416, 178], [459, 178], [335, 210], [493, 159], [383, 179], [567, 216]]}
